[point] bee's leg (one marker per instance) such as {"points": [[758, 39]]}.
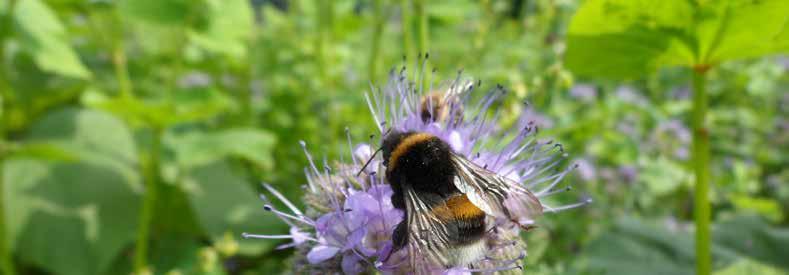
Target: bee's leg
{"points": [[400, 236], [399, 240], [527, 228]]}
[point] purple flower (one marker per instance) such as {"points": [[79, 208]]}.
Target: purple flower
{"points": [[584, 92], [350, 216], [672, 136], [630, 95]]}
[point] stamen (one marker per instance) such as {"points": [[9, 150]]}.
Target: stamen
{"points": [[372, 110], [566, 207], [281, 214], [503, 266], [552, 192], [558, 177], [283, 199]]}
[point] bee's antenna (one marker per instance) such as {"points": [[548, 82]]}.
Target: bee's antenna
{"points": [[369, 160], [374, 153]]}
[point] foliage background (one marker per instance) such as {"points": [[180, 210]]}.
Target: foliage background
{"points": [[200, 101]]}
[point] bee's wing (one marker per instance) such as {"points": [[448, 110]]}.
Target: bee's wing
{"points": [[428, 236], [494, 194]]}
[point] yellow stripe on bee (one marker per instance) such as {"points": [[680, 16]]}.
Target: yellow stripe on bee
{"points": [[457, 208], [404, 145]]}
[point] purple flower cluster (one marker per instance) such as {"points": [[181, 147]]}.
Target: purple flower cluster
{"points": [[350, 218]]}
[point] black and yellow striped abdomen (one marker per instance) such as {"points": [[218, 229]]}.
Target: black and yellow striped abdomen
{"points": [[464, 220]]}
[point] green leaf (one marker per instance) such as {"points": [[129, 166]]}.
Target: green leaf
{"points": [[738, 29], [179, 107], [41, 150], [633, 247], [229, 28], [631, 38], [766, 207], [42, 35], [93, 202], [661, 176], [751, 237], [746, 266], [160, 12], [636, 247], [198, 148], [89, 131], [92, 136], [224, 202]]}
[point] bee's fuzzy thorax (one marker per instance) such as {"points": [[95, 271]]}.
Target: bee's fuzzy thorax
{"points": [[405, 144]]}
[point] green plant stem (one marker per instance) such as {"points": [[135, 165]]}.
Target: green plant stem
{"points": [[422, 27], [421, 21], [122, 72], [407, 28], [151, 168], [378, 26], [6, 262], [701, 158], [151, 173], [325, 20]]}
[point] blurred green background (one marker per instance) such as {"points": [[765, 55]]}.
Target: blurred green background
{"points": [[198, 101]]}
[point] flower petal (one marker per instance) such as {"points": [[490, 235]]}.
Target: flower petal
{"points": [[298, 236], [351, 264], [455, 141], [321, 253]]}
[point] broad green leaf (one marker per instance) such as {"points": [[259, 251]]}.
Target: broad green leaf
{"points": [[19, 175], [161, 26], [93, 209], [229, 28], [89, 130], [200, 148], [768, 208], [636, 247], [751, 237], [178, 107], [633, 247], [746, 266], [42, 35], [631, 38], [737, 29], [225, 203], [661, 176], [92, 201], [93, 136], [174, 252], [160, 12], [42, 151]]}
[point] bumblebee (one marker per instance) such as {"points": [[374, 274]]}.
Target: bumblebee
{"points": [[450, 202]]}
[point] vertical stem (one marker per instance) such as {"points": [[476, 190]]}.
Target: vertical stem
{"points": [[6, 263], [701, 158], [325, 20], [421, 21], [151, 174], [248, 113], [408, 36], [378, 27], [122, 72]]}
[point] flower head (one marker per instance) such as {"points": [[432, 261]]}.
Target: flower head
{"points": [[350, 219]]}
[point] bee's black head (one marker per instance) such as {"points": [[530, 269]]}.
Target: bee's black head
{"points": [[390, 142]]}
